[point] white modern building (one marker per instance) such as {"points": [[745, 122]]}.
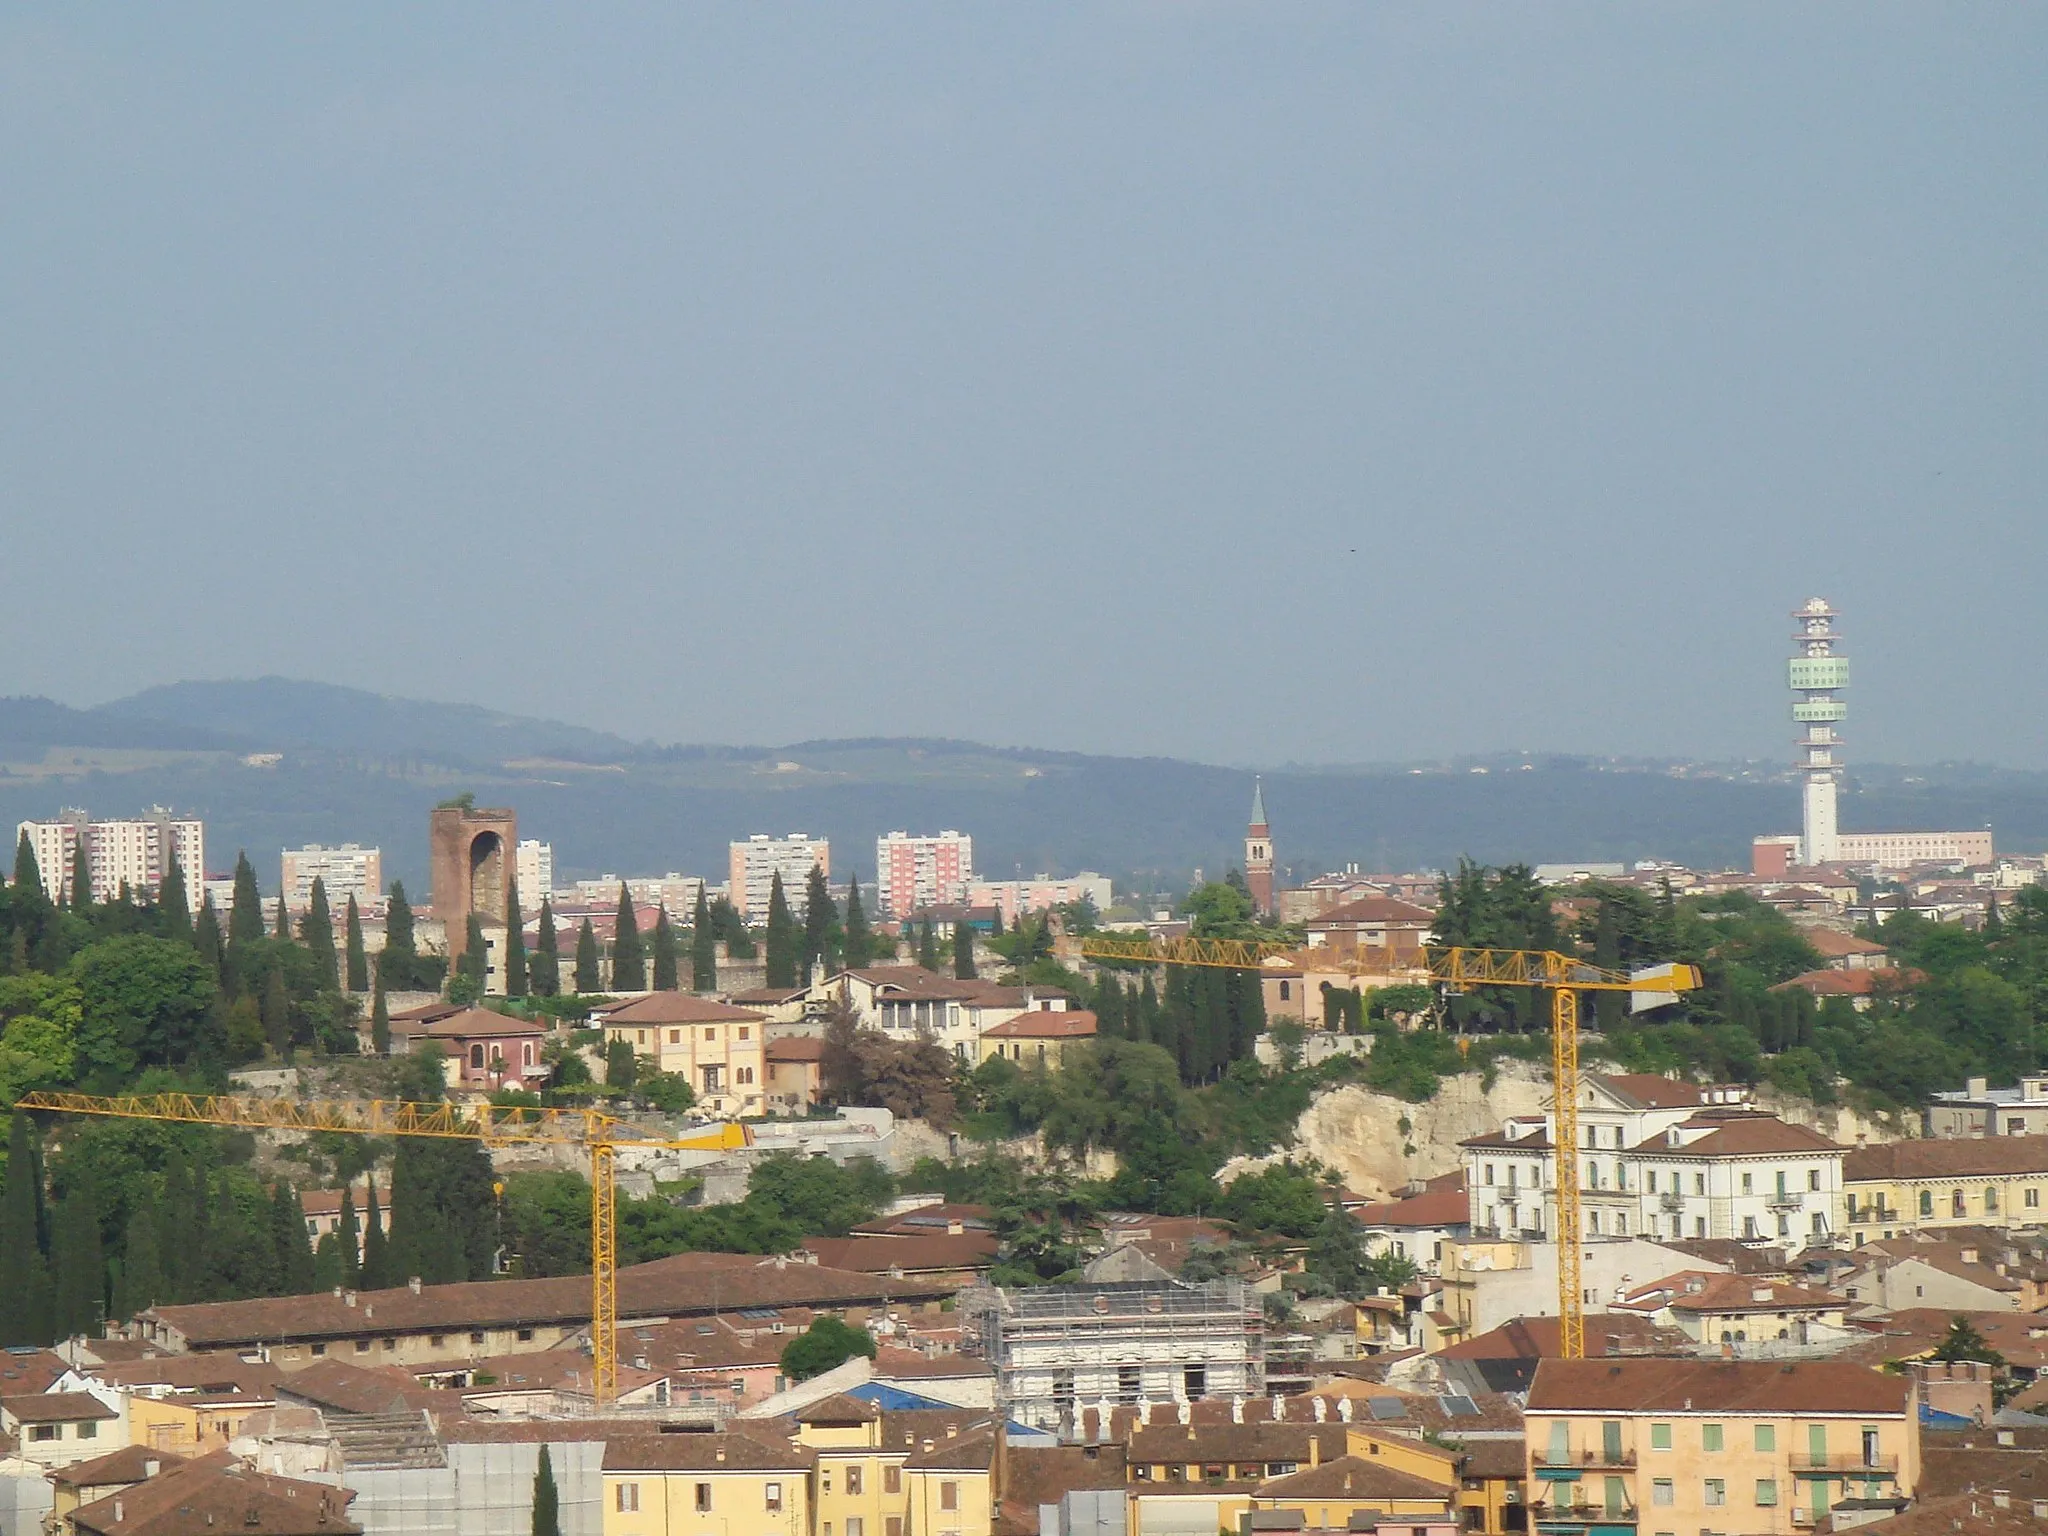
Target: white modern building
{"points": [[533, 865], [755, 863], [135, 852], [675, 894], [350, 870], [1014, 897], [924, 871], [1662, 1159]]}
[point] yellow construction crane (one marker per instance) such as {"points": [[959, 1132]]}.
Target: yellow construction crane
{"points": [[1459, 970], [495, 1126]]}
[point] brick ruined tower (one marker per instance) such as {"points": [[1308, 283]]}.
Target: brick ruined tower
{"points": [[1258, 855]]}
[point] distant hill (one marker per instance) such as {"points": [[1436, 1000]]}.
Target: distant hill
{"points": [[364, 767]]}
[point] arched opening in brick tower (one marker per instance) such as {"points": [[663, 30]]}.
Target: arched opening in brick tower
{"points": [[487, 874]]}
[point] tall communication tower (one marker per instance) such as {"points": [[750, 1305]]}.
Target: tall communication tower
{"points": [[1815, 672]]}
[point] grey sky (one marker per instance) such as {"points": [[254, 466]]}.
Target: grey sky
{"points": [[1249, 382]]}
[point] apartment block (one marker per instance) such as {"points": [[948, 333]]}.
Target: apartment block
{"points": [[350, 870], [1660, 1447], [1013, 898], [1910, 1186], [533, 865], [675, 894], [912, 873], [754, 864], [135, 852]]}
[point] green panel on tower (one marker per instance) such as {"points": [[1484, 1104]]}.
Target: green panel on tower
{"points": [[1819, 671]]}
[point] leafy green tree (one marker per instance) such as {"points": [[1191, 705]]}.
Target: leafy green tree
{"points": [[245, 911], [732, 928], [963, 949], [547, 1517], [666, 958], [517, 982], [828, 1343], [142, 1280], [1282, 1198], [316, 930], [782, 937], [443, 1211], [621, 1066], [821, 927], [587, 979], [173, 902], [703, 948], [356, 968], [629, 955], [860, 940], [145, 1003], [1963, 1342], [544, 974]]}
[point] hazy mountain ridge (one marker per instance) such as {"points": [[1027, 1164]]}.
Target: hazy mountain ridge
{"points": [[367, 768]]}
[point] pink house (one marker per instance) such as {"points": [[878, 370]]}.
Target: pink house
{"points": [[490, 1050]]}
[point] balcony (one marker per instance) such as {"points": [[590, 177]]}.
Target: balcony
{"points": [[1671, 1200], [1591, 1459], [1785, 1200], [1850, 1463]]}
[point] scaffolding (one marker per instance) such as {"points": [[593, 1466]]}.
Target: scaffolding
{"points": [[1057, 1350]]}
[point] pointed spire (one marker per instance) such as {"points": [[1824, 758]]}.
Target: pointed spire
{"points": [[1258, 802]]}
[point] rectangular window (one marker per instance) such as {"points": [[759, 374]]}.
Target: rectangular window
{"points": [[1813, 1178], [627, 1499], [743, 1031], [1660, 1437], [853, 1480], [1616, 1491], [1610, 1441], [1990, 1197], [1717, 1492], [1749, 1183], [1766, 1492], [2033, 1199], [771, 1498], [362, 1346], [1560, 1443], [703, 1498], [892, 1479], [856, 1527], [1767, 1437], [88, 1431], [893, 1526], [319, 1350], [949, 1496], [1710, 1437], [1650, 1181], [1661, 1493], [42, 1432], [1488, 1180]]}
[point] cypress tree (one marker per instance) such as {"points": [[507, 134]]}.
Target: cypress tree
{"points": [[27, 876], [516, 981], [376, 1270], [963, 949], [284, 922], [821, 925], [380, 1018], [245, 912], [206, 934], [703, 948], [80, 891], [78, 1271], [476, 955], [350, 1238], [547, 1518], [356, 959], [399, 961], [629, 955], [168, 1238], [317, 929], [586, 960], [174, 903], [781, 937], [24, 1281], [666, 959], [292, 1253], [544, 974], [142, 1274], [859, 941], [927, 947], [276, 1010]]}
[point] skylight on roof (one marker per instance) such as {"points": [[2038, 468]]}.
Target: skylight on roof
{"points": [[1459, 1406], [1386, 1407]]}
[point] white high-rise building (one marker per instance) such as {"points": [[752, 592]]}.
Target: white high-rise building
{"points": [[914, 872], [135, 852], [1815, 673], [350, 870], [754, 864], [534, 867]]}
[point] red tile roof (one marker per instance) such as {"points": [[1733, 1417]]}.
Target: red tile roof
{"points": [[1044, 1024], [793, 1048], [1651, 1090], [931, 1253], [1740, 1133], [677, 1008], [1715, 1386], [1372, 911], [1976, 1157], [56, 1408]]}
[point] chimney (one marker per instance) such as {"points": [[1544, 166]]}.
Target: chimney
{"points": [[337, 1293], [2001, 1499], [956, 1228], [721, 1450], [349, 1297], [1315, 1450], [412, 1283], [150, 1468], [2041, 1509], [117, 1511], [1760, 1293], [1237, 1410]]}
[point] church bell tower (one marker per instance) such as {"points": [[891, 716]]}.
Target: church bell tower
{"points": [[1258, 855]]}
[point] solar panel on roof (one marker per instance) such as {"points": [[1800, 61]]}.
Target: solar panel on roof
{"points": [[1459, 1406], [760, 1314], [1386, 1407]]}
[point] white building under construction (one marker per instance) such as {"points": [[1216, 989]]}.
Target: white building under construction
{"points": [[1058, 1349]]}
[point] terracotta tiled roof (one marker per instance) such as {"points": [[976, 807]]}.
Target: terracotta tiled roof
{"points": [[1697, 1291], [481, 1024], [208, 1375], [1241, 1443], [1740, 1134], [1832, 944], [971, 1452], [217, 1492], [794, 1048], [677, 1008], [1372, 911], [1929, 1159], [2022, 1337], [56, 1408], [839, 1409], [1432, 1208], [1536, 1141], [1044, 1024], [677, 1285], [925, 1253], [129, 1465], [1977, 1513], [339, 1386], [703, 1452], [1608, 1335], [1353, 1477], [29, 1370], [1865, 982], [1649, 1090], [1715, 1386], [921, 1219]]}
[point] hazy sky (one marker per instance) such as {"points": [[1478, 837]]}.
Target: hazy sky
{"points": [[1253, 382]]}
